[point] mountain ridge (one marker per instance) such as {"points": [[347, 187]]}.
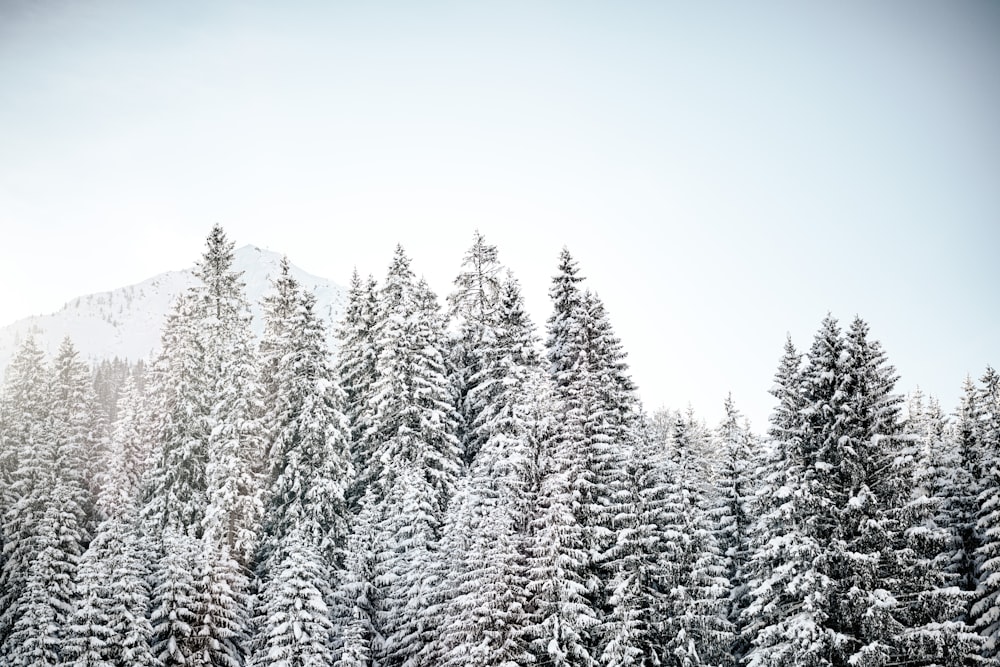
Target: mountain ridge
{"points": [[126, 322]]}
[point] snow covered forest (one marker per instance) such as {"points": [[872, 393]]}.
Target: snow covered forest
{"points": [[457, 486]]}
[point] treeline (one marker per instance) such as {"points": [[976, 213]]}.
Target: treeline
{"points": [[453, 491]]}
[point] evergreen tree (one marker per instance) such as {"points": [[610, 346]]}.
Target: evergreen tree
{"points": [[309, 462], [128, 453], [26, 432], [935, 632], [406, 540], [565, 296], [483, 601], [564, 621], [45, 605], [81, 429], [358, 595], [175, 487], [297, 628], [697, 628], [356, 370], [46, 522], [966, 484], [410, 417], [90, 639], [866, 500], [174, 613], [784, 621], [219, 608], [985, 612], [846, 480], [206, 475], [634, 629], [736, 488], [474, 307], [598, 422], [109, 625]]}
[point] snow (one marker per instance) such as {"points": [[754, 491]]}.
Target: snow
{"points": [[126, 322]]}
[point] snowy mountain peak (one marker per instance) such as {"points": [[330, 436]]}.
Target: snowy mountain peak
{"points": [[126, 322]]}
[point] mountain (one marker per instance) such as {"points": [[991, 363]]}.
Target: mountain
{"points": [[126, 322]]}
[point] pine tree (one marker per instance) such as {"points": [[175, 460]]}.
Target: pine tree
{"points": [[309, 461], [411, 417], [175, 488], [356, 371], [784, 621], [297, 627], [128, 453], [219, 608], [46, 522], [474, 306], [406, 539], [174, 613], [358, 595], [935, 632], [697, 628], [27, 430], [206, 474], [985, 612], [736, 488]]}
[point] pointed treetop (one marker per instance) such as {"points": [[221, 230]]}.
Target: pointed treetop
{"points": [[399, 268], [477, 285]]}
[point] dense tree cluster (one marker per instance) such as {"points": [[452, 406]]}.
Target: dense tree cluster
{"points": [[451, 491]]}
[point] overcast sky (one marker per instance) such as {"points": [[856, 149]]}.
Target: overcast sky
{"points": [[723, 172]]}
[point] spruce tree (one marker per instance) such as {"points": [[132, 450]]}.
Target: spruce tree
{"points": [[109, 625], [128, 453], [482, 603], [846, 479], [297, 628], [206, 475], [308, 464], [474, 307], [734, 513], [934, 617], [174, 612], [46, 521], [697, 627], [410, 417], [406, 538], [564, 624], [356, 372], [219, 606], [597, 423], [985, 611], [358, 596], [633, 630], [27, 432], [784, 620]]}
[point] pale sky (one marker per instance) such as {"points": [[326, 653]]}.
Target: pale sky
{"points": [[724, 172]]}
